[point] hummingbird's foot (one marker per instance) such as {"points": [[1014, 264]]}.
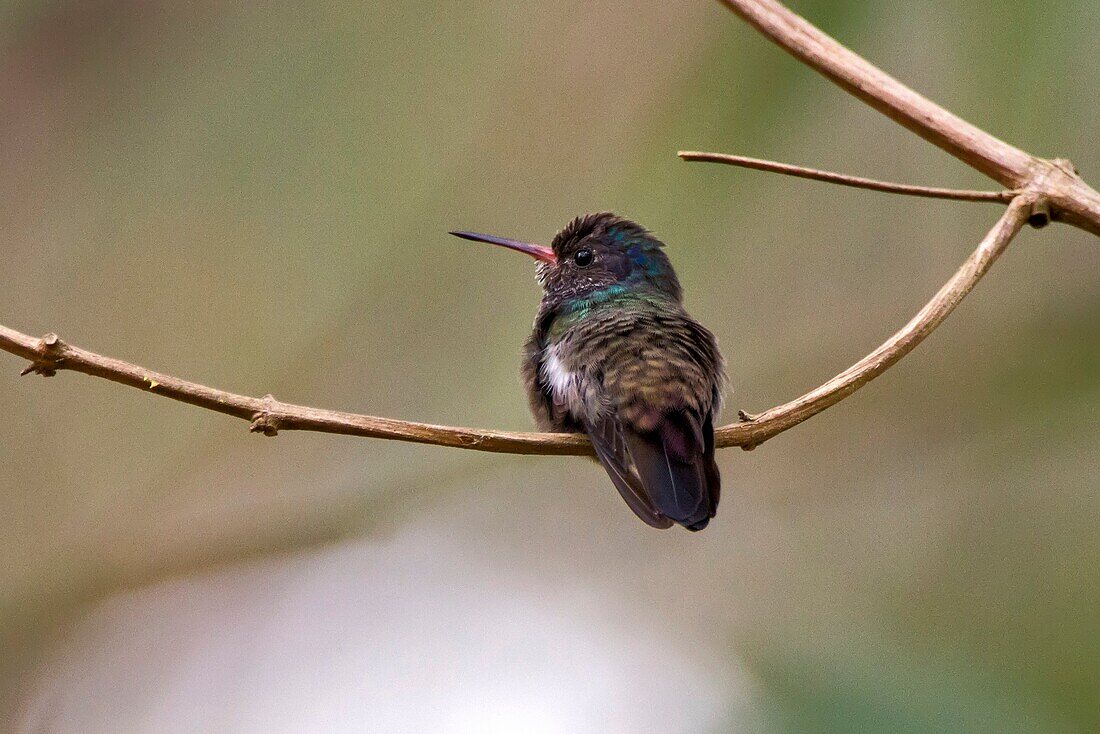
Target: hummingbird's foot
{"points": [[747, 417]]}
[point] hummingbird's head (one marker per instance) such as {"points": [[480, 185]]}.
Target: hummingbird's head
{"points": [[593, 253]]}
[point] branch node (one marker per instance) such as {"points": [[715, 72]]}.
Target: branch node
{"points": [[1039, 216], [265, 421], [744, 417], [1066, 165], [49, 359]]}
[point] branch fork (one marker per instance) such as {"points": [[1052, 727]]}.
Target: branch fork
{"points": [[1038, 191]]}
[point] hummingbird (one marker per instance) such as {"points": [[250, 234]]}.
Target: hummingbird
{"points": [[614, 355]]}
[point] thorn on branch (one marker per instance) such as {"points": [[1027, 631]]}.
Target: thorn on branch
{"points": [[49, 357], [265, 421], [744, 417]]}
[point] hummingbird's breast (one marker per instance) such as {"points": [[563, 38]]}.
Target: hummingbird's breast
{"points": [[570, 369], [631, 357]]}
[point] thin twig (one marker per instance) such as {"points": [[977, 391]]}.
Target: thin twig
{"points": [[269, 416], [1071, 199], [930, 192]]}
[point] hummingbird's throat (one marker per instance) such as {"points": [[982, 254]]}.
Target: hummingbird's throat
{"points": [[579, 308]]}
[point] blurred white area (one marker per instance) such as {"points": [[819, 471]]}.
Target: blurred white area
{"points": [[405, 634]]}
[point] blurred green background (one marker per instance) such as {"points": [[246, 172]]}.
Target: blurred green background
{"points": [[256, 195]]}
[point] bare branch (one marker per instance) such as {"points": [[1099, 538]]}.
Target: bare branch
{"points": [[772, 422], [929, 192], [1071, 199], [1048, 190], [269, 416]]}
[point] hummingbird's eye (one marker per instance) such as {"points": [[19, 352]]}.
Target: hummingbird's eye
{"points": [[584, 257]]}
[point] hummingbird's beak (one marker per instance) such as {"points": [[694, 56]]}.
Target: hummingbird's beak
{"points": [[539, 252]]}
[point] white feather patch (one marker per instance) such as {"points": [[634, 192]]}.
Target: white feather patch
{"points": [[561, 380]]}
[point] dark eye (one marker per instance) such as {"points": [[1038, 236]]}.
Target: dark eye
{"points": [[584, 257]]}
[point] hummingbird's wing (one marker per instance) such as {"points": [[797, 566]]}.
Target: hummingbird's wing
{"points": [[675, 463], [710, 466], [609, 440]]}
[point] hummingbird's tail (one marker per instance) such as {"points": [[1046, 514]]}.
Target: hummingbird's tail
{"points": [[676, 464], [666, 475]]}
